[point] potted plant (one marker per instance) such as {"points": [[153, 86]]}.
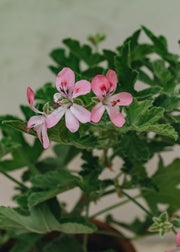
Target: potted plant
{"points": [[122, 103]]}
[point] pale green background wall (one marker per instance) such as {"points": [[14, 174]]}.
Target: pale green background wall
{"points": [[29, 29]]}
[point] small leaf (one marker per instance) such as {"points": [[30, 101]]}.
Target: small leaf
{"points": [[83, 52], [46, 92], [126, 75]]}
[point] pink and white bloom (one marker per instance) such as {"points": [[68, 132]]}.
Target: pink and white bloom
{"points": [[68, 90], [37, 123], [103, 87]]}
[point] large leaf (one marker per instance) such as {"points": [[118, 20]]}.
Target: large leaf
{"points": [[64, 244], [52, 183], [25, 242], [41, 221], [25, 154], [61, 134], [167, 178], [7, 146], [143, 117]]}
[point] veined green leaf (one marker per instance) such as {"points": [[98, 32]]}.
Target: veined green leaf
{"points": [[41, 221]]}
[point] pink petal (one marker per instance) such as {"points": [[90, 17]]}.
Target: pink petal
{"points": [[82, 114], [53, 118], [112, 77], [97, 112], [30, 97], [38, 130], [81, 88], [71, 122], [100, 86], [45, 137], [116, 117], [35, 121], [57, 97], [65, 81], [121, 99]]}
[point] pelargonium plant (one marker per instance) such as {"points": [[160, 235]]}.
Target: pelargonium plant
{"points": [[103, 106]]}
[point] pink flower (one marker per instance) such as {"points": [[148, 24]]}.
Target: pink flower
{"points": [[68, 90], [103, 87], [38, 123], [178, 239]]}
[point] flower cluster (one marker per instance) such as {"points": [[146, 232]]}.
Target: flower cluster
{"points": [[102, 86]]}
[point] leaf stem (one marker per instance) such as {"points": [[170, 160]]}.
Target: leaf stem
{"points": [[112, 207], [136, 202], [14, 180]]}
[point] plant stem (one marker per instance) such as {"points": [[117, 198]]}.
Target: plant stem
{"points": [[85, 238], [112, 207], [136, 202], [14, 180]]}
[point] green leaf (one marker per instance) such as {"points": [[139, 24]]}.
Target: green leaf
{"points": [[25, 155], [126, 75], [83, 52], [109, 56], [54, 69], [71, 61], [41, 221], [144, 77], [7, 146], [146, 119], [157, 42], [46, 92], [169, 103], [145, 113], [61, 134], [133, 149], [27, 111], [52, 183], [64, 244], [65, 153], [164, 76], [140, 51], [61, 178], [147, 93], [25, 242], [160, 46], [167, 180], [133, 39], [91, 72]]}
